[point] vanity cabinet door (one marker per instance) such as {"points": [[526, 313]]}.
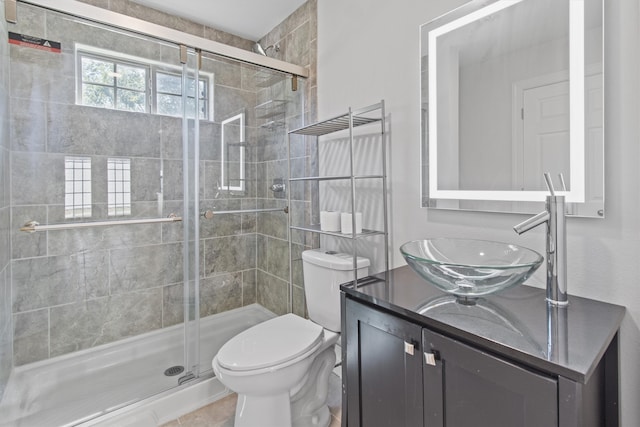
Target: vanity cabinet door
{"points": [[383, 368], [466, 387]]}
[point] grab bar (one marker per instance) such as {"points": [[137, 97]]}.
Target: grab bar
{"points": [[33, 226], [208, 214]]}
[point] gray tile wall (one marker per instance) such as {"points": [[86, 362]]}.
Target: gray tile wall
{"points": [[6, 331], [297, 37], [75, 289], [136, 10]]}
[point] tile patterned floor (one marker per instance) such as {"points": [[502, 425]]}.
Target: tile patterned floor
{"points": [[222, 412]]}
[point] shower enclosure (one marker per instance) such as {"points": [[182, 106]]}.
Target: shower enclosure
{"points": [[144, 229]]}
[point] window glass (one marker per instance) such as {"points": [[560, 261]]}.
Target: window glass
{"points": [[97, 71], [131, 77], [110, 84], [131, 101], [119, 186], [169, 83], [122, 83], [169, 95], [170, 105], [77, 187], [98, 96]]}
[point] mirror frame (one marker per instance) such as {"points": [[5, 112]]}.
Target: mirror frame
{"points": [[470, 12]]}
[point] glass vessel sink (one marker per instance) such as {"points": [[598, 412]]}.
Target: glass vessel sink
{"points": [[470, 268]]}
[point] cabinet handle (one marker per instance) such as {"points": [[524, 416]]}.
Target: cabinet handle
{"points": [[430, 358], [409, 348]]}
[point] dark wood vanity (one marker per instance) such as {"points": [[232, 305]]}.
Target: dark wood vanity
{"points": [[414, 356]]}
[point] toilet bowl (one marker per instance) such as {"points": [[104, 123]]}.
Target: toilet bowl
{"points": [[280, 368], [269, 381]]}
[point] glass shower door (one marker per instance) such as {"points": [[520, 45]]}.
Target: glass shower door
{"points": [[194, 107], [105, 283], [244, 278]]}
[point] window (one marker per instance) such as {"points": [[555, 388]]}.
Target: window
{"points": [[169, 95], [123, 82], [118, 187], [111, 84], [77, 187]]}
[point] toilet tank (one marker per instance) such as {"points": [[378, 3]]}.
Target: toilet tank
{"points": [[324, 271]]}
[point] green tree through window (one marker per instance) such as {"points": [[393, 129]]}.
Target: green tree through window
{"points": [[151, 87], [111, 84]]}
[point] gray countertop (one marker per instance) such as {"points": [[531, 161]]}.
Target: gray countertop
{"points": [[516, 323]]}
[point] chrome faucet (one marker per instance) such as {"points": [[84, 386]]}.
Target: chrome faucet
{"points": [[554, 217]]}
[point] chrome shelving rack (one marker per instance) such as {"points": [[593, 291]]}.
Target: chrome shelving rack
{"points": [[370, 115]]}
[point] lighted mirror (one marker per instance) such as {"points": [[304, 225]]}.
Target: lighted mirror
{"points": [[512, 89], [233, 144]]}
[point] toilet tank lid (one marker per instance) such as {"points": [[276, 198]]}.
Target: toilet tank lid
{"points": [[333, 260]]}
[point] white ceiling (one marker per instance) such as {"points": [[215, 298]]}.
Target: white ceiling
{"points": [[250, 19]]}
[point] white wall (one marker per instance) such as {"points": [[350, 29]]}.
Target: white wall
{"points": [[368, 50]]}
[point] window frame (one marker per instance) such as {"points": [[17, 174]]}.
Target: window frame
{"points": [[153, 67], [115, 62], [177, 73]]}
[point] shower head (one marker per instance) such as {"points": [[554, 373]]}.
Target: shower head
{"points": [[257, 48]]}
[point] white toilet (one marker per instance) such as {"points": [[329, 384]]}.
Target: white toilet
{"points": [[280, 368]]}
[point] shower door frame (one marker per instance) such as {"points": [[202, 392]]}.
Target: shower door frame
{"points": [[190, 60], [117, 20]]}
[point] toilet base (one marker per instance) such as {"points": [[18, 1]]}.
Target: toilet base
{"points": [[306, 406], [254, 411], [309, 404]]}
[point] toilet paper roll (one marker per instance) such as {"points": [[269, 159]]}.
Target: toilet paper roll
{"points": [[346, 223], [329, 221]]}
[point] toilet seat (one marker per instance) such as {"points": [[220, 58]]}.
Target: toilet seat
{"points": [[270, 343]]}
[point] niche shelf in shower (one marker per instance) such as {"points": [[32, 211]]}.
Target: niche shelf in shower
{"points": [[271, 108], [273, 124], [346, 183]]}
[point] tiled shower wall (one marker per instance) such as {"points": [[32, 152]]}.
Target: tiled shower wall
{"points": [[5, 288], [297, 38], [75, 289]]}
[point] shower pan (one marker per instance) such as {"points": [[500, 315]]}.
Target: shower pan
{"points": [[121, 139]]}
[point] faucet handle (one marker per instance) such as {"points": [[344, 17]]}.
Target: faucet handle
{"points": [[562, 183], [547, 178]]}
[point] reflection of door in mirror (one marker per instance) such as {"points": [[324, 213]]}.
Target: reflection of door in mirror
{"points": [[541, 134], [545, 135], [542, 137]]}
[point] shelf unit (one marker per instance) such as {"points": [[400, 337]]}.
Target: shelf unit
{"points": [[273, 112], [353, 118]]}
